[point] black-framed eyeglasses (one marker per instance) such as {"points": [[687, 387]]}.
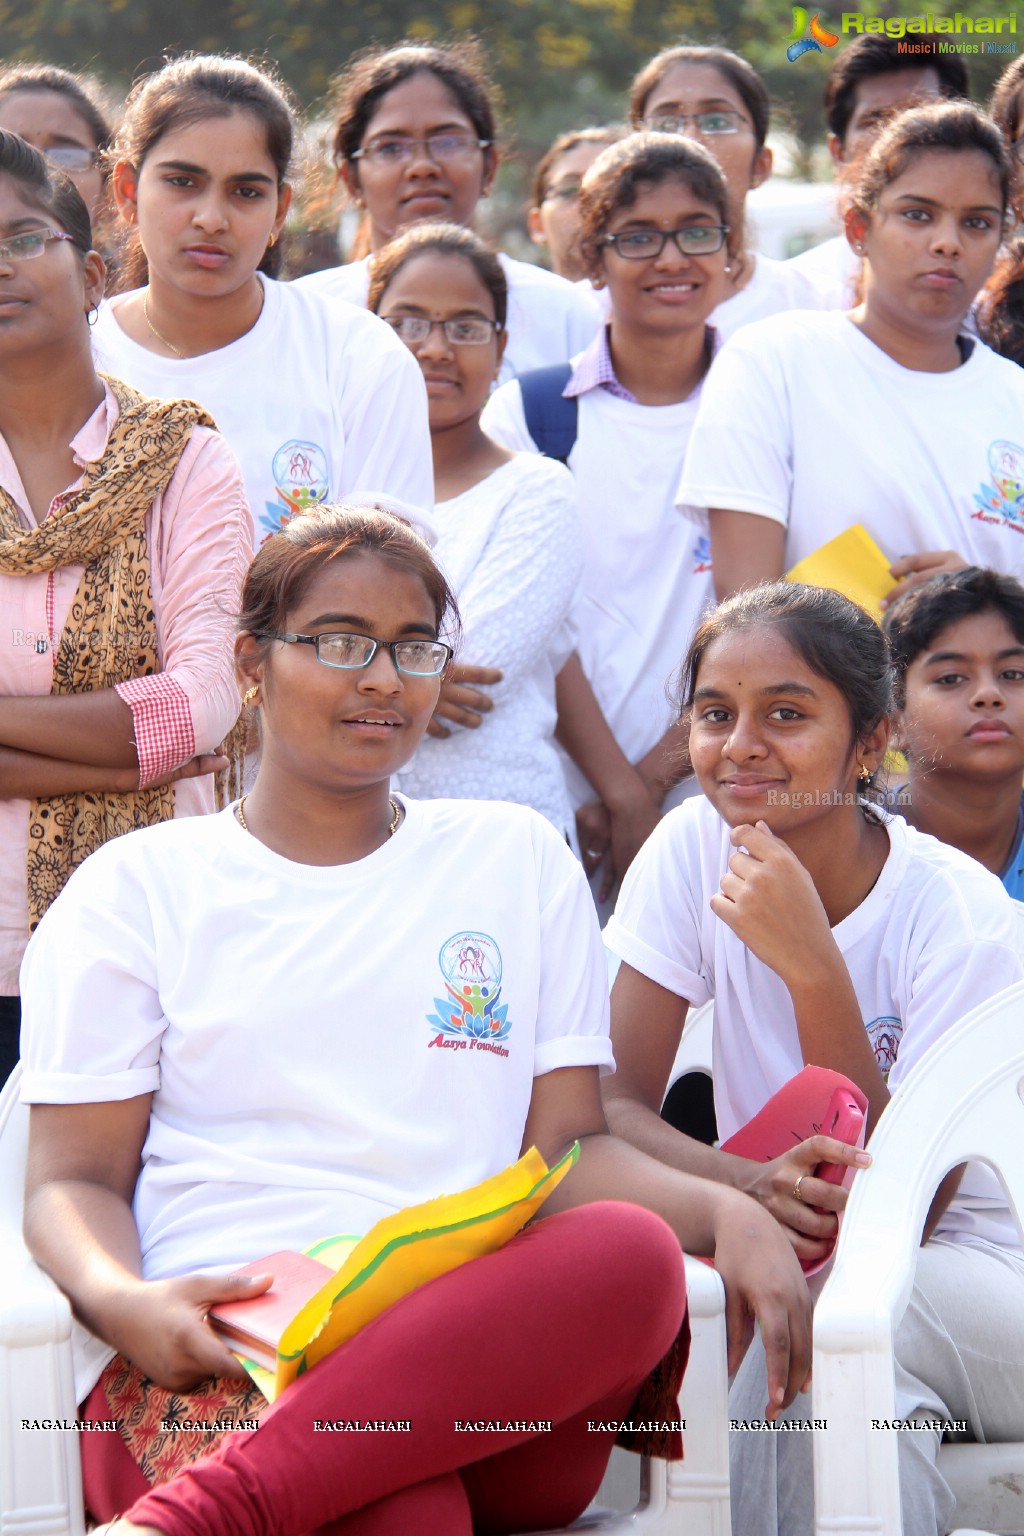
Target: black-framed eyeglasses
{"points": [[439, 147], [71, 157], [31, 244], [468, 331], [708, 124], [643, 244], [418, 658]]}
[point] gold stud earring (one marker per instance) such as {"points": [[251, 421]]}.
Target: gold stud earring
{"points": [[271, 242], [250, 695]]}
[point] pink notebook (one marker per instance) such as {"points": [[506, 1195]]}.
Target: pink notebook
{"points": [[815, 1102], [254, 1327]]}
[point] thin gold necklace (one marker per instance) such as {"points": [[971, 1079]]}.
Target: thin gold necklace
{"points": [[396, 815], [162, 339]]}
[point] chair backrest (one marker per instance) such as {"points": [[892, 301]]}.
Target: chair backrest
{"points": [[963, 1103]]}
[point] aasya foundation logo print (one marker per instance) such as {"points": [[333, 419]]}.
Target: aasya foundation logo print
{"points": [[471, 1015], [820, 37]]}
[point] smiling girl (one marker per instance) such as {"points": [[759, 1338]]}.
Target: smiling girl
{"points": [[828, 934], [957, 644], [888, 416], [508, 531], [655, 236], [317, 401], [717, 98], [415, 140], [273, 973]]}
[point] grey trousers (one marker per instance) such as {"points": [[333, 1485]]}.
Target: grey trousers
{"points": [[959, 1355]]}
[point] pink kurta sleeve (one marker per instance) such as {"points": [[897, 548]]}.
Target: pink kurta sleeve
{"points": [[200, 545]]}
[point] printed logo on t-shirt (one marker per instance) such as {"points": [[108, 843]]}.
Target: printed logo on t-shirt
{"points": [[1003, 500], [885, 1034], [472, 1016], [302, 479], [702, 555]]}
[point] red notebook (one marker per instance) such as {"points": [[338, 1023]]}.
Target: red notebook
{"points": [[254, 1327], [815, 1102]]}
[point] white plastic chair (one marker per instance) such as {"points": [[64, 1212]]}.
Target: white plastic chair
{"points": [[40, 1473], [964, 1102]]}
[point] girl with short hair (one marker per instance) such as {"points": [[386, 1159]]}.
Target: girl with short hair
{"points": [[957, 646]]}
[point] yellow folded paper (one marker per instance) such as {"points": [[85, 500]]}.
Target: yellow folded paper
{"points": [[851, 564], [401, 1253]]}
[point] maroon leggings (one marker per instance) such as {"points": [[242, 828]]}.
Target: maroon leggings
{"points": [[562, 1324]]}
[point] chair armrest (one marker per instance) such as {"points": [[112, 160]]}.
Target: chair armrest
{"points": [[40, 1474], [693, 1494]]}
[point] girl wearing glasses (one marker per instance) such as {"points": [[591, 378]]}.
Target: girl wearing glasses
{"points": [[508, 530], [415, 140], [554, 218], [713, 95], [889, 416], [656, 238], [66, 117], [317, 401], [277, 1073], [124, 537]]}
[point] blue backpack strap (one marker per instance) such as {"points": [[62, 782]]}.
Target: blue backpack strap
{"points": [[551, 419]]}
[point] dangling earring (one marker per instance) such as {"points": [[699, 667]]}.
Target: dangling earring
{"points": [[250, 695], [863, 775], [92, 314]]}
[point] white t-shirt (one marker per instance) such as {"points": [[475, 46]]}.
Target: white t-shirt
{"points": [[647, 576], [323, 1044], [934, 937], [805, 421], [774, 289], [833, 267], [549, 319], [318, 400], [512, 549]]}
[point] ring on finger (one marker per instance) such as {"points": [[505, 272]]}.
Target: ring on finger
{"points": [[797, 1191]]}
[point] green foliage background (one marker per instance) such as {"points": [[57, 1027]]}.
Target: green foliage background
{"points": [[561, 63]]}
